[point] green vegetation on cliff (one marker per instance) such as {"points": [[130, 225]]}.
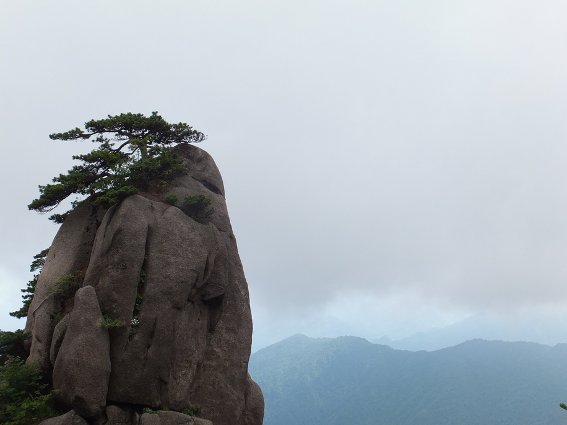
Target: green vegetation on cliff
{"points": [[36, 267], [25, 396]]}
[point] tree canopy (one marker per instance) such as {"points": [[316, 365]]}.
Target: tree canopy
{"points": [[133, 151]]}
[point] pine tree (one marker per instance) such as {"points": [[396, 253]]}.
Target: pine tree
{"points": [[134, 151]]}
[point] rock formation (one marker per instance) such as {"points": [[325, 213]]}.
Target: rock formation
{"points": [[141, 312]]}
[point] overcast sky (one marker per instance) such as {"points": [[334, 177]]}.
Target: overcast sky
{"points": [[389, 165]]}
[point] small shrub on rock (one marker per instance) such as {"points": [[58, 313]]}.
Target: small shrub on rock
{"points": [[68, 284], [171, 199], [110, 323], [198, 207]]}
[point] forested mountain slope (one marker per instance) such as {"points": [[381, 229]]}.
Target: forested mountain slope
{"points": [[349, 380]]}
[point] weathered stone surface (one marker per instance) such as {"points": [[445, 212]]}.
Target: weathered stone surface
{"points": [[69, 418], [150, 419], [155, 365], [174, 418], [169, 417], [175, 287], [82, 367], [116, 415], [69, 253], [118, 255], [254, 411], [57, 339]]}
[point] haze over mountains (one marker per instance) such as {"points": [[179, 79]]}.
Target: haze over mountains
{"points": [[349, 380], [541, 329], [415, 334]]}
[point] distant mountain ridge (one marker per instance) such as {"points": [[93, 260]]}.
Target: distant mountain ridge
{"points": [[527, 326], [348, 380]]}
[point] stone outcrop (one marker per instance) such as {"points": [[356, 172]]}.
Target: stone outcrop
{"points": [[162, 318], [69, 253], [69, 418], [118, 416], [82, 366]]}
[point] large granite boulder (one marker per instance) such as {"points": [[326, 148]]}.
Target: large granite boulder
{"points": [[82, 366], [162, 417], [68, 256], [69, 418], [163, 302]]}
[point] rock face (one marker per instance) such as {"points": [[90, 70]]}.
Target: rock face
{"points": [[82, 365], [69, 418], [162, 317]]}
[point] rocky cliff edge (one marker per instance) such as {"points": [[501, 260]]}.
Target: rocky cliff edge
{"points": [[141, 314]]}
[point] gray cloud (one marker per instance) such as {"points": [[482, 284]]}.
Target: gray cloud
{"points": [[380, 147]]}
